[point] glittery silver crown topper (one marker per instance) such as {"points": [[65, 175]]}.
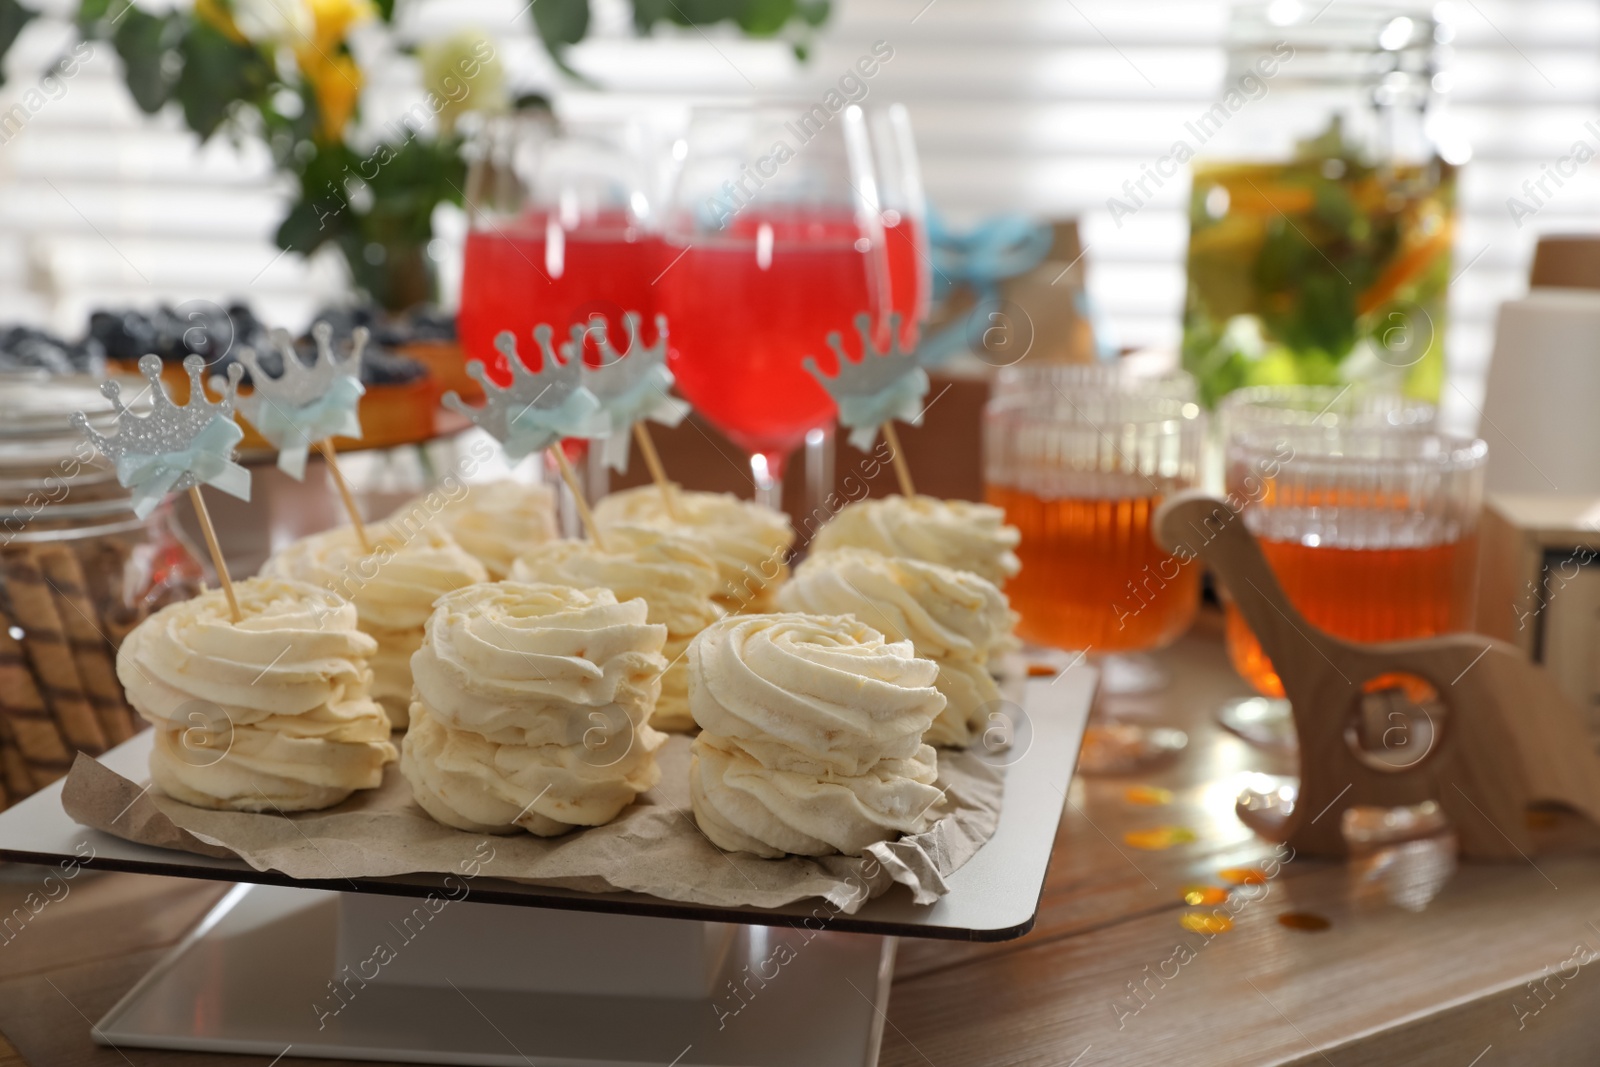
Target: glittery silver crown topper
{"points": [[305, 403], [629, 388], [539, 407], [884, 384], [175, 446]]}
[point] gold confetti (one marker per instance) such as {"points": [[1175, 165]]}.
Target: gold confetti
{"points": [[1203, 922], [1198, 895], [1159, 838], [1242, 876], [1147, 796], [1303, 920]]}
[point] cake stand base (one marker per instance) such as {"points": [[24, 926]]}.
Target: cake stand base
{"points": [[273, 970]]}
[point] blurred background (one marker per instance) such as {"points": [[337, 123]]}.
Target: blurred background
{"points": [[1037, 106]]}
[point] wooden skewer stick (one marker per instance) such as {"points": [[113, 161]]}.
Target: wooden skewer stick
{"points": [[325, 446], [217, 561], [902, 469], [652, 459], [570, 476]]}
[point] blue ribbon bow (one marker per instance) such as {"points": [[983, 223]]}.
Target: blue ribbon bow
{"points": [[534, 429], [208, 460], [293, 430], [646, 398]]}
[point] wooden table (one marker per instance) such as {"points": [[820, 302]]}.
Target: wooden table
{"points": [[1101, 980]]}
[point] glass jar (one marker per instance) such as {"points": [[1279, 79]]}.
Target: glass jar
{"points": [[78, 571], [1322, 211]]}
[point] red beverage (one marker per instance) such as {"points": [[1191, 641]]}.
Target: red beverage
{"points": [[526, 271], [748, 306], [908, 275]]}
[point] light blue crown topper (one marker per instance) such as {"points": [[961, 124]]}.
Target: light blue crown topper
{"points": [[629, 389], [175, 447], [539, 407], [883, 384], [305, 404]]}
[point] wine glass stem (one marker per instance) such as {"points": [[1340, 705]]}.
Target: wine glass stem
{"points": [[767, 473]]}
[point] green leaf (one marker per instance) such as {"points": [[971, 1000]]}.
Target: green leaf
{"points": [[13, 16], [92, 11], [144, 42], [561, 22], [763, 18], [813, 12], [217, 73], [385, 10]]}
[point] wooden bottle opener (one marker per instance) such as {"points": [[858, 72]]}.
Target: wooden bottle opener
{"points": [[1508, 737]]}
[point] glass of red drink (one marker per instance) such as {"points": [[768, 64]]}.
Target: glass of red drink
{"points": [[772, 239], [561, 230]]}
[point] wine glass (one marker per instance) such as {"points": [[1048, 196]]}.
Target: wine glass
{"points": [[1079, 464], [1275, 412], [561, 232], [772, 241], [904, 211]]}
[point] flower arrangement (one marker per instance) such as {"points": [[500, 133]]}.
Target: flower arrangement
{"points": [[284, 71]]}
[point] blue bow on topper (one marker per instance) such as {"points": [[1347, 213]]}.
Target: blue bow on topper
{"points": [[305, 404], [996, 249], [883, 384], [174, 447], [538, 408], [629, 389]]}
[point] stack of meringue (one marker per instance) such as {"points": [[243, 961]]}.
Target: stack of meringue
{"points": [[811, 739], [664, 569], [495, 522], [413, 563], [953, 533], [748, 542], [531, 708], [955, 618], [270, 713]]}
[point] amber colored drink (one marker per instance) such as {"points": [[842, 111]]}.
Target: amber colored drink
{"points": [[1362, 594], [1093, 577]]}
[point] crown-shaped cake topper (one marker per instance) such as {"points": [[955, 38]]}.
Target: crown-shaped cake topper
{"points": [[175, 446], [539, 407], [629, 389], [305, 404], [883, 384]]}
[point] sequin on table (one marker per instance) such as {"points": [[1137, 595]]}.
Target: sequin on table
{"points": [[1303, 920], [1242, 876], [1199, 895], [1160, 838], [1147, 796], [1205, 922]]}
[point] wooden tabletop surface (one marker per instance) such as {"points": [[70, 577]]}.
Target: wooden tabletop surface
{"points": [[1108, 976]]}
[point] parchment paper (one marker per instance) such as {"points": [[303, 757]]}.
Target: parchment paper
{"points": [[653, 847]]}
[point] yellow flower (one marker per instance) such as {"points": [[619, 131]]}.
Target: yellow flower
{"points": [[335, 78], [336, 81], [219, 18]]}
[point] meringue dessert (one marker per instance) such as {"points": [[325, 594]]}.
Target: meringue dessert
{"points": [[531, 708], [271, 713], [494, 522], [748, 542], [811, 735], [664, 569], [393, 588], [954, 618], [953, 533]]}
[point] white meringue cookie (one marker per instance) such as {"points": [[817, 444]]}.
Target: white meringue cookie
{"points": [[745, 807], [811, 737], [464, 780], [271, 712], [525, 664], [494, 522], [531, 708], [748, 542], [665, 569], [413, 562], [955, 533], [955, 618]]}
